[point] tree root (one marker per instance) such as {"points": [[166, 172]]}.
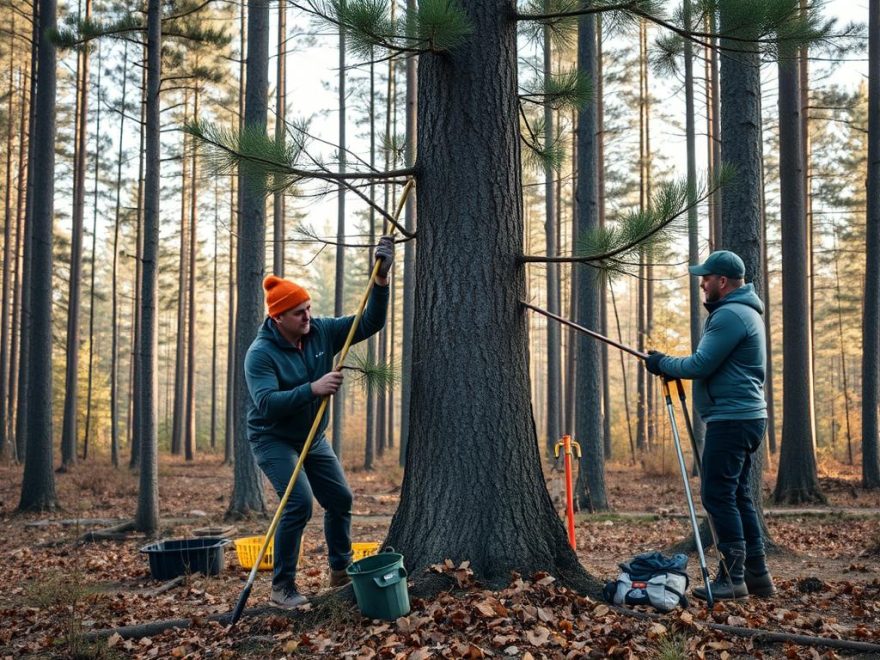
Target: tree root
{"points": [[115, 533]]}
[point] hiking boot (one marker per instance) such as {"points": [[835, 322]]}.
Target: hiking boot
{"points": [[288, 599], [729, 582], [758, 578], [338, 578]]}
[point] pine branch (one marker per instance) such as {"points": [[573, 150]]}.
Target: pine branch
{"points": [[608, 247], [226, 150]]}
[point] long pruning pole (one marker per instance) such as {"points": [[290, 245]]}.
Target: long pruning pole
{"points": [[246, 592]]}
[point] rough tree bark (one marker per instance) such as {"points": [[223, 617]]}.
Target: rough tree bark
{"points": [[247, 490], [147, 514], [588, 282], [797, 481], [472, 444], [38, 482], [871, 322]]}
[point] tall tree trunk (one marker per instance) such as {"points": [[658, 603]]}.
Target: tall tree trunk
{"points": [[871, 319], [114, 296], [591, 475], [5, 289], [600, 173], [797, 481], [178, 416], [716, 238], [278, 210], [769, 388], [71, 370], [693, 221], [24, 367], [408, 252], [88, 429], [643, 433], [190, 419], [338, 400], [135, 383], [554, 336], [214, 299], [369, 441], [741, 204], [147, 514], [38, 481], [463, 407], [247, 490], [844, 379], [20, 202]]}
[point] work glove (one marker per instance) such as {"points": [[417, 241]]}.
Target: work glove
{"points": [[385, 252], [652, 363]]}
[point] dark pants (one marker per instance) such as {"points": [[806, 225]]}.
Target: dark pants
{"points": [[727, 460], [322, 475]]}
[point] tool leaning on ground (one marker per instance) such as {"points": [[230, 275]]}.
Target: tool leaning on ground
{"points": [[675, 436], [246, 592]]}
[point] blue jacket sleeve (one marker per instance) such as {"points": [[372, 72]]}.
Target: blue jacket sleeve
{"points": [[262, 382], [724, 331], [371, 322]]}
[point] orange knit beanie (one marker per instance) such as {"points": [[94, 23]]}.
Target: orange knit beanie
{"points": [[282, 294]]}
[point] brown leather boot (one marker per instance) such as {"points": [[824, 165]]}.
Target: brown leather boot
{"points": [[338, 578]]}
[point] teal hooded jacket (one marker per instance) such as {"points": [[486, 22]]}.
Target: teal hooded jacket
{"points": [[730, 362], [279, 375]]}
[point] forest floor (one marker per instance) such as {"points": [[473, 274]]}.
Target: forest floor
{"points": [[55, 591]]}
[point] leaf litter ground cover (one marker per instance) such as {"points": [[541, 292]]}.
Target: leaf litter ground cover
{"points": [[55, 590]]}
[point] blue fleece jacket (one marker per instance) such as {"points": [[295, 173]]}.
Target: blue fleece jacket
{"points": [[279, 375], [730, 362]]}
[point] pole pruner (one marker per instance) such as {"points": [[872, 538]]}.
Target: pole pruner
{"points": [[568, 446]]}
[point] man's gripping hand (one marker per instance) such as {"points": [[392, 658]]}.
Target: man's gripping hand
{"points": [[385, 252], [652, 363], [327, 384]]}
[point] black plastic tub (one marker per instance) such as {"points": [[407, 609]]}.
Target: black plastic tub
{"points": [[172, 557]]}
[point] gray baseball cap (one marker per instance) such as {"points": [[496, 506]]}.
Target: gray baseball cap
{"points": [[721, 262]]}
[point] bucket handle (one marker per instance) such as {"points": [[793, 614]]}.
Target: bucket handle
{"points": [[388, 548], [391, 577]]}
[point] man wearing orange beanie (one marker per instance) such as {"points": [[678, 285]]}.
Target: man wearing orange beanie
{"points": [[289, 369]]}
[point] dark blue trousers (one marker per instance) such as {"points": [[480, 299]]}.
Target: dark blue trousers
{"points": [[321, 477], [727, 460]]}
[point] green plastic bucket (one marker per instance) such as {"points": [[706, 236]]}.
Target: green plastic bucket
{"points": [[379, 583]]}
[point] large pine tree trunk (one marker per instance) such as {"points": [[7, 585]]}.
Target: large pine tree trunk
{"points": [[247, 490], [473, 461], [741, 204], [38, 482], [871, 322], [797, 481], [147, 514], [588, 290]]}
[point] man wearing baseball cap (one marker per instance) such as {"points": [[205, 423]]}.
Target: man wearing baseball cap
{"points": [[728, 371], [289, 369]]}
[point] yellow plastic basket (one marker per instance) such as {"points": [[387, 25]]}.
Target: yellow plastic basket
{"points": [[247, 549], [361, 550]]}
